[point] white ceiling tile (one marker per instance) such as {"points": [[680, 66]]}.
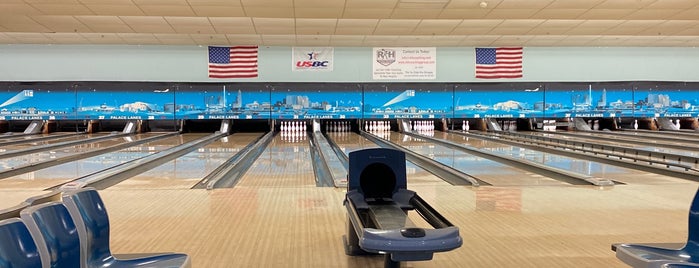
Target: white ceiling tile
{"points": [[269, 12], [656, 14], [267, 3], [161, 2], [318, 12], [274, 22], [564, 14], [519, 4], [116, 10], [319, 3], [214, 3], [463, 14], [218, 11], [275, 30], [244, 39], [471, 4], [371, 23], [427, 13], [605, 14], [471, 30], [367, 13], [191, 21], [167, 10], [63, 9], [568, 4], [371, 4], [354, 30], [231, 21], [315, 30], [624, 4], [512, 13], [18, 8], [182, 29], [673, 4], [144, 20]]}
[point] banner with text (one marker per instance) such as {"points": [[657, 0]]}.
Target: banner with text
{"points": [[312, 58], [404, 63]]}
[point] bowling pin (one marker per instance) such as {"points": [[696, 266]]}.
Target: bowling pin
{"points": [[635, 124], [467, 126], [463, 125], [677, 123], [595, 125]]}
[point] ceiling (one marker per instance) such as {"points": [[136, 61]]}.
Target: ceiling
{"points": [[656, 23]]}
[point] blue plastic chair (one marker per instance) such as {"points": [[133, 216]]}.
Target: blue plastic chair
{"points": [[17, 246], [637, 255], [87, 208], [55, 234]]}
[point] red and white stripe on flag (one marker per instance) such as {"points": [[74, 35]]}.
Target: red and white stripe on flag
{"points": [[233, 62], [501, 62]]}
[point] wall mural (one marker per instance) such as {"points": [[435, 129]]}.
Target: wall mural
{"points": [[501, 100], [160, 100], [563, 100], [316, 100], [407, 101]]}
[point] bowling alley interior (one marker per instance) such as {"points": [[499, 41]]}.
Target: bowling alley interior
{"points": [[349, 133]]}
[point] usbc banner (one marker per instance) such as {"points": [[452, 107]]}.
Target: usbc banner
{"points": [[312, 58], [404, 63]]}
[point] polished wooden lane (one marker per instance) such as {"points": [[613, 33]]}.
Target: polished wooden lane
{"points": [[487, 170], [349, 142], [51, 176], [13, 162], [185, 171], [286, 162], [582, 166], [272, 226]]}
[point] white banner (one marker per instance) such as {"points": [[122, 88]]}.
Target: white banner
{"points": [[312, 58], [404, 63]]}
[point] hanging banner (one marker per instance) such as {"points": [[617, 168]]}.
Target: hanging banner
{"points": [[404, 63], [312, 58]]}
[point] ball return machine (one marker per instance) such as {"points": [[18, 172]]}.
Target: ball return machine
{"points": [[378, 203]]}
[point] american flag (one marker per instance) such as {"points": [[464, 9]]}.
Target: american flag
{"points": [[501, 62], [233, 62]]}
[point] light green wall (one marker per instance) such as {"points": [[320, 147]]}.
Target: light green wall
{"points": [[454, 64]]}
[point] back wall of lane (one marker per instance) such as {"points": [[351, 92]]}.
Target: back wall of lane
{"points": [[351, 64]]}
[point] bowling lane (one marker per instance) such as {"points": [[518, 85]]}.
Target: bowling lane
{"points": [[652, 146], [350, 141], [29, 138], [489, 171], [28, 159], [286, 162], [30, 143], [582, 166], [49, 177], [187, 170], [653, 140]]}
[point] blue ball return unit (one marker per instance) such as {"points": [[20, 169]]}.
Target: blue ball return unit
{"points": [[378, 202]]}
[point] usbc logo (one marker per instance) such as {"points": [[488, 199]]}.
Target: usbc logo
{"points": [[312, 62]]}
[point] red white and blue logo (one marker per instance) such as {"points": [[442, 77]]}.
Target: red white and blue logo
{"points": [[312, 59]]}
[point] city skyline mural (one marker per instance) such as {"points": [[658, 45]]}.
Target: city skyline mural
{"points": [[167, 101]]}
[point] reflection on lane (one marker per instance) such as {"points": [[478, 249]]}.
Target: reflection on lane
{"points": [[28, 159], [492, 172], [582, 166], [600, 139], [350, 141], [286, 162], [51, 176], [187, 170]]}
